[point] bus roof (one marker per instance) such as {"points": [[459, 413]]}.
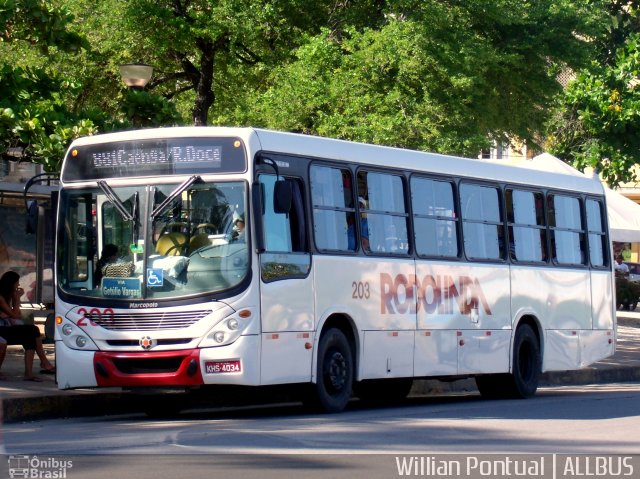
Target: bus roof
{"points": [[383, 156]]}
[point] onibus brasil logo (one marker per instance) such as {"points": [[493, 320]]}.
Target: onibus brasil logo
{"points": [[35, 467]]}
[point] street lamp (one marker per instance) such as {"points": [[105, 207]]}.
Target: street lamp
{"points": [[136, 75]]}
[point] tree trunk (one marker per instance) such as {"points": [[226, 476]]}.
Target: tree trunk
{"points": [[204, 87]]}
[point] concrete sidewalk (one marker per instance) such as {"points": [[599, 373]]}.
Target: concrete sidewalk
{"points": [[25, 400]]}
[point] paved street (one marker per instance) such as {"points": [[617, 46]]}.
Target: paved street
{"points": [[26, 400]]}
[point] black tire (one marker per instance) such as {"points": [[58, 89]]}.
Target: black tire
{"points": [[383, 391], [334, 377], [527, 363], [492, 386], [522, 382]]}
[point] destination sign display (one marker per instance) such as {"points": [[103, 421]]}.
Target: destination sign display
{"points": [[154, 157], [212, 155]]}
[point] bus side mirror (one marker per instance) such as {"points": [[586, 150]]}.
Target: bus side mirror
{"points": [[282, 197]]}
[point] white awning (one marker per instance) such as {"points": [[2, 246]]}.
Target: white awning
{"points": [[624, 217]]}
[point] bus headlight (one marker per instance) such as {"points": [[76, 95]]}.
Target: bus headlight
{"points": [[218, 337], [226, 331], [74, 337]]}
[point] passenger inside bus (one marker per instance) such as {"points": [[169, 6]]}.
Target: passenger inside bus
{"points": [[364, 225], [238, 229], [364, 228]]}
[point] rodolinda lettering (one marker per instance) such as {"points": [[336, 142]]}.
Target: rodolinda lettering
{"points": [[441, 294]]}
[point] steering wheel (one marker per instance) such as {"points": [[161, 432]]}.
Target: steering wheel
{"points": [[206, 227]]}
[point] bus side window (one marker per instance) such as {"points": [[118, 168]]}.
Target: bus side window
{"points": [[527, 229], [333, 211], [597, 233], [482, 228], [567, 234], [434, 217], [383, 213], [285, 235]]}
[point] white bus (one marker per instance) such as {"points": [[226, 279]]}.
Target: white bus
{"points": [[359, 268]]}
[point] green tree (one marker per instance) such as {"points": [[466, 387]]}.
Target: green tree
{"points": [[34, 117], [207, 52], [596, 122], [448, 76]]}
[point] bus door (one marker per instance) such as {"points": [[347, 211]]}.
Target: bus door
{"points": [[286, 287]]}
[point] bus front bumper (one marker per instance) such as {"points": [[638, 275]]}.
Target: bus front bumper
{"points": [[236, 364]]}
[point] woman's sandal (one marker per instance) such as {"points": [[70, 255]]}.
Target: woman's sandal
{"points": [[52, 370]]}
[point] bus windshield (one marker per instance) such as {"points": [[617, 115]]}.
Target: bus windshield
{"points": [[153, 242]]}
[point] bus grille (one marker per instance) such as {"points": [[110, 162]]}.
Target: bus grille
{"points": [[146, 321]]}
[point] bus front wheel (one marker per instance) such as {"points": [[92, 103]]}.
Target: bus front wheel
{"points": [[334, 377]]}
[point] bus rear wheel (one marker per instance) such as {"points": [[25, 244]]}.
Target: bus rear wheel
{"points": [[334, 378], [522, 382]]}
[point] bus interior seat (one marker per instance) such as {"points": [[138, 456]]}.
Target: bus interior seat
{"points": [[198, 241], [171, 244]]}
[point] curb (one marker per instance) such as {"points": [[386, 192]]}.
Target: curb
{"points": [[112, 403], [579, 377]]}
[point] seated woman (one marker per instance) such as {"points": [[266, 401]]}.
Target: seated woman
{"points": [[14, 331]]}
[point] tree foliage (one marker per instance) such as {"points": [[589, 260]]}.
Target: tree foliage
{"points": [[596, 122], [448, 76], [47, 70], [201, 48], [38, 22], [34, 118], [443, 75]]}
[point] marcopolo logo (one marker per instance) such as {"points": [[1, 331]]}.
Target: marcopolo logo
{"points": [[435, 294], [35, 467]]}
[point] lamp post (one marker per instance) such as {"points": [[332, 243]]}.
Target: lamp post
{"points": [[136, 75]]}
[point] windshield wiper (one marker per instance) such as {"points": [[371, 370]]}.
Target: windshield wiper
{"points": [[113, 198], [174, 194]]}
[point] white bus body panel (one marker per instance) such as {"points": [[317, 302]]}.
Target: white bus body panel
{"points": [[562, 350], [436, 353], [286, 358], [387, 354], [484, 351], [287, 327], [558, 298], [74, 369], [595, 345], [602, 297], [354, 285], [467, 309]]}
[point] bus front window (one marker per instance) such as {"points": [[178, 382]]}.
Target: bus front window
{"points": [[192, 245]]}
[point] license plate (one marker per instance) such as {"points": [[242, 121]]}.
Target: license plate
{"points": [[216, 367]]}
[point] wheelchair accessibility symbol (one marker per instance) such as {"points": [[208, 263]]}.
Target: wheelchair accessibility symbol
{"points": [[155, 277]]}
